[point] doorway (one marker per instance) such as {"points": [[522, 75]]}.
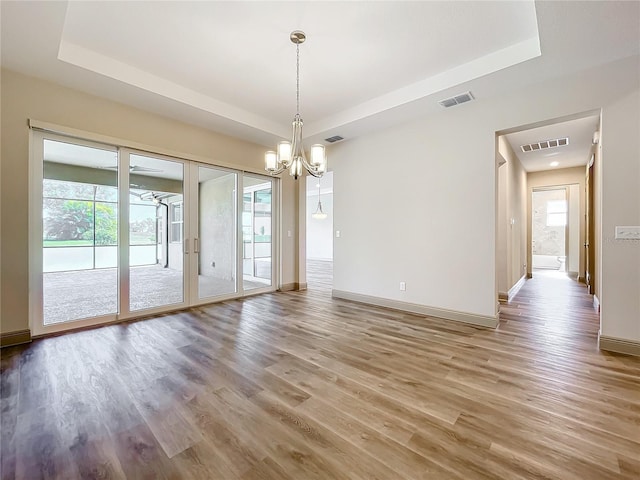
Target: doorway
{"points": [[550, 156], [549, 227], [118, 233], [319, 239]]}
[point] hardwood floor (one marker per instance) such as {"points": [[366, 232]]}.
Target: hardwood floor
{"points": [[299, 386]]}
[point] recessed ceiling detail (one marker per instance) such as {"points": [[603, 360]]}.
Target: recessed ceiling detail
{"points": [[100, 37], [202, 75], [558, 142], [457, 99]]}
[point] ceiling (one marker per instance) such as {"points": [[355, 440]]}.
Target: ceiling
{"points": [[577, 153], [230, 67]]}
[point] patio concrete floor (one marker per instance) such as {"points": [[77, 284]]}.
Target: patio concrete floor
{"points": [[91, 293]]}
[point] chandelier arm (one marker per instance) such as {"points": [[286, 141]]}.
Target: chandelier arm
{"points": [[274, 173], [310, 168], [312, 172]]}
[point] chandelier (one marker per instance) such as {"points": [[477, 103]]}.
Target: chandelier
{"points": [[290, 155], [319, 213]]}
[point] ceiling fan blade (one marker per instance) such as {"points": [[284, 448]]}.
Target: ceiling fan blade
{"points": [[136, 168], [133, 168]]}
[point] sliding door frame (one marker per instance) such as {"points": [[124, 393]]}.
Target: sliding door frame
{"points": [[36, 273], [39, 131], [124, 257]]}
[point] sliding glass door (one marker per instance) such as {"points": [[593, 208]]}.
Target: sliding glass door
{"points": [[118, 233], [257, 228], [214, 230], [78, 231], [156, 232]]}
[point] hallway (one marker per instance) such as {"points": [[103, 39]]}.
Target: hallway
{"points": [[552, 311]]}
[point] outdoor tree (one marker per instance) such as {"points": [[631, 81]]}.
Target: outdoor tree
{"points": [[69, 220], [106, 224]]}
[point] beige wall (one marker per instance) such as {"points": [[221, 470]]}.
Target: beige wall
{"points": [[512, 218], [417, 202], [619, 169], [24, 98], [560, 177], [502, 231]]}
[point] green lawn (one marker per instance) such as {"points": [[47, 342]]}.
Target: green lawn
{"points": [[67, 243], [140, 239]]}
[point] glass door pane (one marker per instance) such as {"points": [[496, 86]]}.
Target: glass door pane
{"points": [[216, 232], [156, 232], [257, 227], [80, 232]]}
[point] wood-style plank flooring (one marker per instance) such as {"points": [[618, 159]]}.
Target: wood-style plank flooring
{"points": [[299, 386]]}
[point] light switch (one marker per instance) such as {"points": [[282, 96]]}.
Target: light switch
{"points": [[627, 233], [289, 233]]}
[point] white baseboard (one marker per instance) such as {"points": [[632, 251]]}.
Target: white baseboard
{"points": [[516, 287], [506, 296], [596, 302], [471, 318], [619, 345]]}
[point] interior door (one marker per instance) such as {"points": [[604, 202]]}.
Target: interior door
{"points": [[590, 234]]}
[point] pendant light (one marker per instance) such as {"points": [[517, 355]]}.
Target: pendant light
{"points": [[319, 214], [290, 155]]}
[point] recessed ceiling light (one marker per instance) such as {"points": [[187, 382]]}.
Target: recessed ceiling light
{"points": [[554, 164]]}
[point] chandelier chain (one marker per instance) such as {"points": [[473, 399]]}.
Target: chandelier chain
{"points": [[298, 78]]}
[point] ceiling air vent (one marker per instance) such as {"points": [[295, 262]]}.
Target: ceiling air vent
{"points": [[334, 139], [457, 100], [532, 147]]}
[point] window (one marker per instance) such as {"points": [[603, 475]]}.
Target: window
{"points": [[176, 222], [556, 213]]}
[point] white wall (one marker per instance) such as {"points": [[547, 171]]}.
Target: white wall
{"points": [[433, 181], [416, 204]]}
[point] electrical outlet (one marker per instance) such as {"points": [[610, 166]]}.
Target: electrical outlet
{"points": [[403, 286], [337, 233]]}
